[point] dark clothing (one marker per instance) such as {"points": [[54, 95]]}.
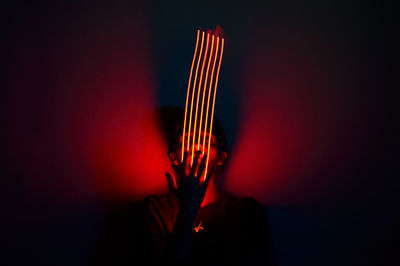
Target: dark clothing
{"points": [[230, 231]]}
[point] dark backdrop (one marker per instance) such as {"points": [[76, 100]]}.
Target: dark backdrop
{"points": [[305, 96]]}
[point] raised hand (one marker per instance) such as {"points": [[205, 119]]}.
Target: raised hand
{"points": [[189, 189]]}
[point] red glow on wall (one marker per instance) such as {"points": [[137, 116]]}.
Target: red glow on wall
{"points": [[80, 110], [295, 122], [116, 128]]}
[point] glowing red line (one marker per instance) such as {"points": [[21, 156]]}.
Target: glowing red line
{"points": [[204, 92], [187, 93], [198, 94], [194, 87], [209, 93], [215, 92]]}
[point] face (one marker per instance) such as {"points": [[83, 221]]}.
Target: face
{"points": [[215, 155]]}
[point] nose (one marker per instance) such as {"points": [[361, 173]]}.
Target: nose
{"points": [[198, 147]]}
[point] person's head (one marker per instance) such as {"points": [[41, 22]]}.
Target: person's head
{"points": [[217, 154]]}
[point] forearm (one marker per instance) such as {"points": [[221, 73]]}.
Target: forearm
{"points": [[181, 240]]}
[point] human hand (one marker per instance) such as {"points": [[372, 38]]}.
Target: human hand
{"points": [[189, 189]]}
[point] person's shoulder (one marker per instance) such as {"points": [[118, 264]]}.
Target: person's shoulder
{"points": [[241, 201], [160, 201], [246, 213], [250, 202], [253, 208], [243, 204], [158, 209]]}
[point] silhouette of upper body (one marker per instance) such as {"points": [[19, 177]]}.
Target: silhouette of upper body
{"points": [[228, 231], [197, 223]]}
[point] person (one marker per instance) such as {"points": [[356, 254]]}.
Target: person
{"points": [[197, 222]]}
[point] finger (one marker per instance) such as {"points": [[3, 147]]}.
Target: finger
{"points": [[208, 178], [185, 157], [195, 163], [183, 165], [196, 182], [202, 166], [171, 182]]}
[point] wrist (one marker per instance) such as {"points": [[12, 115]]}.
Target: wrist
{"points": [[188, 212]]}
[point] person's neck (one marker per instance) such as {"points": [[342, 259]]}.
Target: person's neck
{"points": [[212, 194]]}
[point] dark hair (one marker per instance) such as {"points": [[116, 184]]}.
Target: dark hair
{"points": [[174, 130]]}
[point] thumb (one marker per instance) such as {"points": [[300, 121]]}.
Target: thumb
{"points": [[171, 182]]}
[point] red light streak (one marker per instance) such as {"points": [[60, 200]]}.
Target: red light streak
{"points": [[215, 92], [204, 93], [209, 92], [198, 96], [208, 82], [187, 94], [193, 91]]}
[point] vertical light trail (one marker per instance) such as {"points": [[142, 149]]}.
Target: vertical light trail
{"points": [[198, 95], [204, 93], [194, 87], [197, 85], [209, 92], [212, 112], [187, 93]]}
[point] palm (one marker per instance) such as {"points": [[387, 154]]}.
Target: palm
{"points": [[190, 191]]}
